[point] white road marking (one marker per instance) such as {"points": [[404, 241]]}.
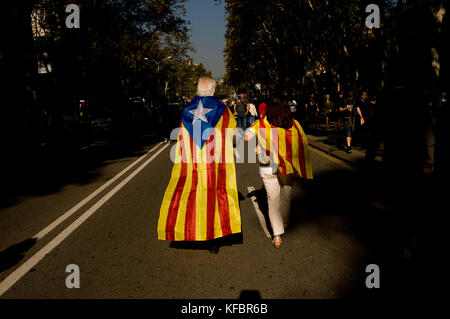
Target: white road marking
{"points": [[87, 199], [259, 214], [36, 258]]}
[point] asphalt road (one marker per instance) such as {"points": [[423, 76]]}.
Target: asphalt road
{"points": [[324, 254]]}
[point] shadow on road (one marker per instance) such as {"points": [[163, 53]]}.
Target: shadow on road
{"points": [[14, 254], [250, 295], [47, 171], [234, 239], [404, 235], [261, 200]]}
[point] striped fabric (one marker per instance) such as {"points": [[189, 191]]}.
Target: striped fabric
{"points": [[201, 201], [289, 147]]}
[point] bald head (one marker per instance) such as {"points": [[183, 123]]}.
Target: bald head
{"points": [[206, 86]]}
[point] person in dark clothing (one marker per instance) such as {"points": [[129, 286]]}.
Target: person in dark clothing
{"points": [[433, 106], [312, 110], [374, 131], [241, 110], [362, 110], [328, 108], [340, 103], [348, 114]]}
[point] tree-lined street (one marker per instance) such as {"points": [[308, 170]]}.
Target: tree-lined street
{"points": [[93, 89]]}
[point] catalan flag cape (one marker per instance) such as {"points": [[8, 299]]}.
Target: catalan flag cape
{"points": [[201, 201], [289, 147]]}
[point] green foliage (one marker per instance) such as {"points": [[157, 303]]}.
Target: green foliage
{"points": [[121, 49], [224, 90], [184, 77], [274, 42]]}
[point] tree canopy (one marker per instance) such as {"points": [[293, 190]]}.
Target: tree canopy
{"points": [[123, 51], [277, 42]]}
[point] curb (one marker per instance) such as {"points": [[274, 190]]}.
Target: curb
{"points": [[334, 155]]}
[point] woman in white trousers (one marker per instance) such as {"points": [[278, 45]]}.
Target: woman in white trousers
{"points": [[279, 166], [279, 189]]}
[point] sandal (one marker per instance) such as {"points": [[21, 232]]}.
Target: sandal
{"points": [[277, 241]]}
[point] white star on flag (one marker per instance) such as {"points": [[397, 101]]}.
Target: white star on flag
{"points": [[200, 112]]}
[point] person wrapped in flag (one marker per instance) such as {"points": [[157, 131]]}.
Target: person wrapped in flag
{"points": [[283, 155], [201, 201]]}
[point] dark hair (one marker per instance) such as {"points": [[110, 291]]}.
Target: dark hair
{"points": [[279, 113]]}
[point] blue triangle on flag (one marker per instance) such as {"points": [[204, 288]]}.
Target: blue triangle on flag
{"points": [[203, 108]]}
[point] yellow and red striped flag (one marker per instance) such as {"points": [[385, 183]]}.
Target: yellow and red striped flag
{"points": [[289, 147], [201, 201]]}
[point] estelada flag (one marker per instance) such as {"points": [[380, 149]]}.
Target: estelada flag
{"points": [[288, 147], [201, 201]]}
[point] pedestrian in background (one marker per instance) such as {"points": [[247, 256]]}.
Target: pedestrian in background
{"points": [[340, 103], [293, 106], [430, 122], [253, 114], [280, 166], [262, 109], [374, 131], [241, 109], [362, 109], [312, 111], [328, 108], [348, 115]]}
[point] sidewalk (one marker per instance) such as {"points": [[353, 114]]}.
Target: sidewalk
{"points": [[332, 142]]}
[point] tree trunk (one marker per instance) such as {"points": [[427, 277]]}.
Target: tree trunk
{"points": [[18, 69]]}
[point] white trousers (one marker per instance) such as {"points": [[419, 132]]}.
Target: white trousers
{"points": [[279, 200]]}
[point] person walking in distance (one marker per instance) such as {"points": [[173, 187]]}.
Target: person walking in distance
{"points": [[312, 110], [328, 107], [340, 103], [374, 131], [262, 109], [241, 109], [253, 113], [293, 106], [362, 110], [347, 112]]}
